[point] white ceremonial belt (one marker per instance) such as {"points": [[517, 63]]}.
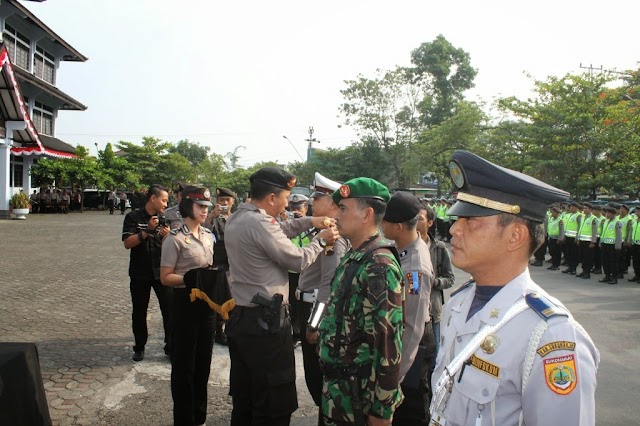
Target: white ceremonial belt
{"points": [[444, 384]]}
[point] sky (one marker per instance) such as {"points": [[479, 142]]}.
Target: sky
{"points": [[247, 73]]}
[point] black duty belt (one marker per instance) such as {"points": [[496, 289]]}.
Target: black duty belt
{"points": [[335, 372]]}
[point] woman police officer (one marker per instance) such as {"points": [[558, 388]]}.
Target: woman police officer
{"points": [[184, 249]]}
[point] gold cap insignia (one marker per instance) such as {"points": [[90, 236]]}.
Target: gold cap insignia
{"points": [[292, 182], [207, 194], [345, 191], [457, 175]]}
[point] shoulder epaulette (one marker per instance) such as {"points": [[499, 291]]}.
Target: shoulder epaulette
{"points": [[462, 287], [185, 229], [174, 231], [206, 229], [544, 307]]}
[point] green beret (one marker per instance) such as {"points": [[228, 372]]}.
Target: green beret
{"points": [[362, 188]]}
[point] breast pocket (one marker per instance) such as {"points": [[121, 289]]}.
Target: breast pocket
{"points": [[474, 393], [190, 252]]}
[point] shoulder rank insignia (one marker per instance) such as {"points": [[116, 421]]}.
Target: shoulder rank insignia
{"points": [[174, 231], [403, 254], [462, 287], [413, 281], [545, 308], [185, 229]]}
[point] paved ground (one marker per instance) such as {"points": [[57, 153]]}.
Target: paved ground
{"points": [[65, 287]]}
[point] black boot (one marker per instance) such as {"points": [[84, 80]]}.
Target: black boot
{"points": [[612, 281], [605, 279], [567, 271], [596, 271], [586, 276], [537, 263], [580, 275]]}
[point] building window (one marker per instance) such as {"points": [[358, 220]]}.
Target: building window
{"points": [[43, 119], [19, 47], [16, 176], [44, 66]]}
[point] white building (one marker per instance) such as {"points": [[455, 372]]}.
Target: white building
{"points": [[30, 56]]}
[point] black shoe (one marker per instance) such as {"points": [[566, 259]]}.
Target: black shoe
{"points": [[138, 355], [605, 279], [537, 263], [572, 272], [580, 275], [634, 279], [566, 271], [613, 281], [564, 263], [596, 271], [553, 268], [586, 276], [620, 275]]}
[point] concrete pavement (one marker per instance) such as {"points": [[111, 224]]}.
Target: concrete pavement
{"points": [[65, 286]]}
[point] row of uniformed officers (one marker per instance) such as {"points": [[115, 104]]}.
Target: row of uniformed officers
{"points": [[370, 337]]}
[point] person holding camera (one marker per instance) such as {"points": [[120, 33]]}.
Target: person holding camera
{"points": [[185, 249], [218, 217], [262, 378], [143, 234]]}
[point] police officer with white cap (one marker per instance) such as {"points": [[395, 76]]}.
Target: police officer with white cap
{"points": [[314, 287], [510, 353]]}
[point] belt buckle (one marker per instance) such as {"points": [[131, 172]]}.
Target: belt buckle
{"points": [[298, 294]]}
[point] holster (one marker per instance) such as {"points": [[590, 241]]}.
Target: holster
{"points": [[351, 375], [272, 312]]}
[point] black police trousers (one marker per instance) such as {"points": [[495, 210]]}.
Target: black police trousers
{"points": [[586, 256], [298, 332], [610, 260], [416, 388], [555, 251], [635, 252], [140, 293], [194, 325], [572, 253], [263, 375]]}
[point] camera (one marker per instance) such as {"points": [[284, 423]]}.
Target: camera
{"points": [[163, 221], [224, 209]]}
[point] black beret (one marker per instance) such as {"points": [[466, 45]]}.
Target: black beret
{"points": [[402, 207], [587, 204], [597, 207], [610, 209], [225, 192], [486, 189], [624, 206], [179, 186], [275, 177], [614, 205]]}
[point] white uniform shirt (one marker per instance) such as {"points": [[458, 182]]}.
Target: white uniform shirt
{"points": [[561, 386]]}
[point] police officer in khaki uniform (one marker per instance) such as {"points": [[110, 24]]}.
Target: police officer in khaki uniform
{"points": [[172, 214], [314, 286], [262, 379], [400, 224], [510, 354], [186, 248]]}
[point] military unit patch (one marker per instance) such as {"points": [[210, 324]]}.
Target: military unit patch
{"points": [[487, 367], [561, 345], [413, 281], [560, 374]]}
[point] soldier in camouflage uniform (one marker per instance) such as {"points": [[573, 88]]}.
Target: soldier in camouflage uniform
{"points": [[360, 337]]}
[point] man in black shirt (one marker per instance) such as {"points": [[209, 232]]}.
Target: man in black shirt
{"points": [[142, 234]]}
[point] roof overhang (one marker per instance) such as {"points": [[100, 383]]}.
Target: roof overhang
{"points": [[12, 108], [31, 18], [68, 103]]}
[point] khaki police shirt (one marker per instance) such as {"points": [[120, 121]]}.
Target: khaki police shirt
{"points": [[261, 253], [173, 214], [415, 261], [562, 383], [184, 252], [320, 273]]}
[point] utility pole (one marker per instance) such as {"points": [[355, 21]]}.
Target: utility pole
{"points": [[310, 140], [591, 68]]}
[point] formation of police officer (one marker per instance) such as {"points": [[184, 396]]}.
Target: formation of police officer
{"points": [[509, 353], [172, 214], [598, 238]]}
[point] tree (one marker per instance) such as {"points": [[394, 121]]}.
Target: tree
{"points": [[119, 173], [446, 72], [192, 151], [146, 158]]}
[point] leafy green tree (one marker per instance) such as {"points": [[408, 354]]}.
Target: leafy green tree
{"points": [[146, 159], [192, 151], [118, 171]]}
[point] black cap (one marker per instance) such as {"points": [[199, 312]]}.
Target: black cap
{"points": [[555, 209], [587, 204], [179, 186], [225, 192], [610, 209], [574, 204], [198, 194], [403, 206], [624, 206], [275, 177], [614, 205], [486, 189], [597, 207]]}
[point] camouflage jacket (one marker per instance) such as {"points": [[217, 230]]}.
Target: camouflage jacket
{"points": [[372, 329]]}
